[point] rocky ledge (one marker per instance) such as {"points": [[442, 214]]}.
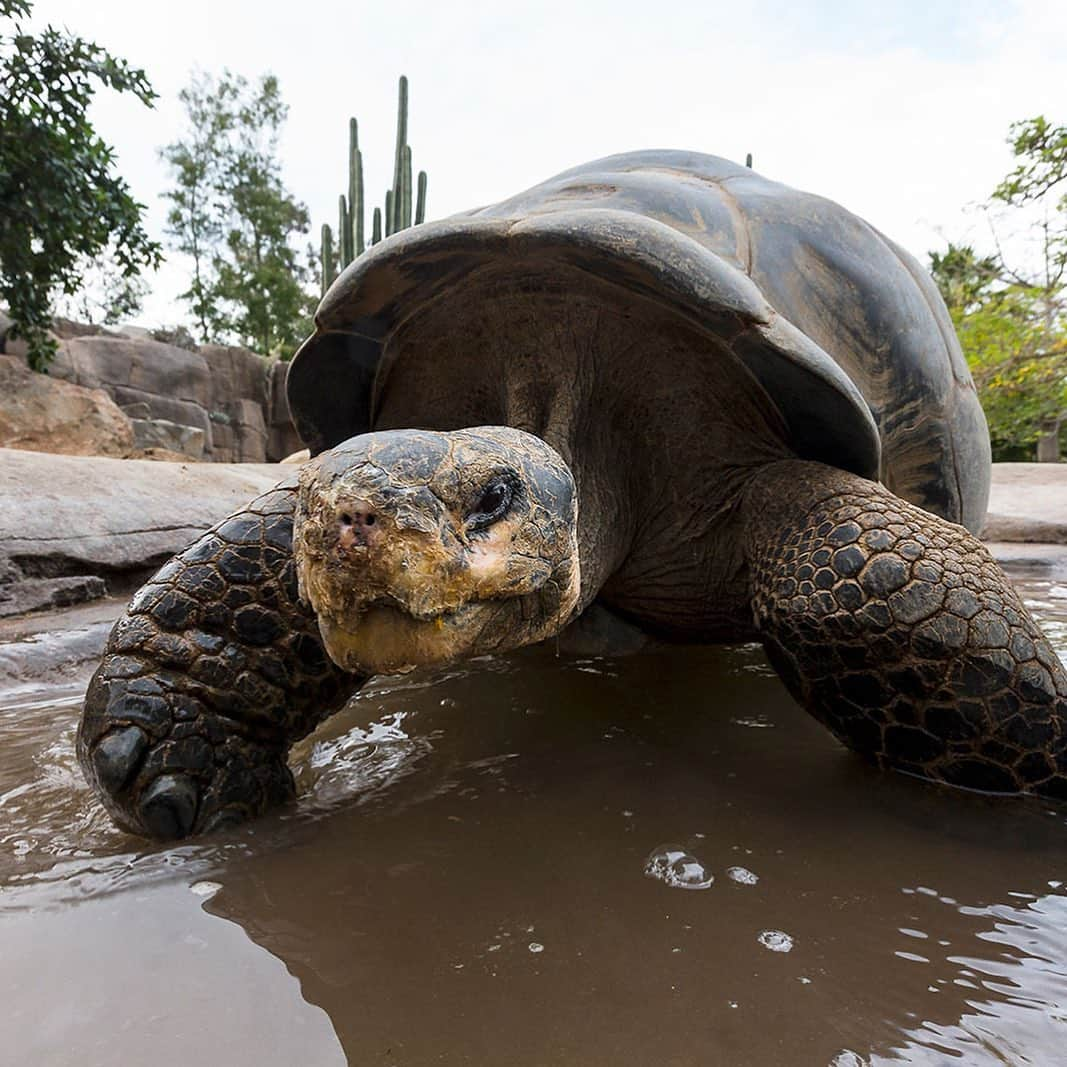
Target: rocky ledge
{"points": [[73, 526], [143, 396]]}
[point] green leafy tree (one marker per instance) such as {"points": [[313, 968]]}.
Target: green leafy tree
{"points": [[1041, 149], [1012, 334], [195, 219], [231, 213], [1012, 321], [64, 204]]}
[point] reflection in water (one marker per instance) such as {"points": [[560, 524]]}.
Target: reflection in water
{"points": [[463, 881]]}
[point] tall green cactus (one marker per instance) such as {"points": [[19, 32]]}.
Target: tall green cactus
{"points": [[397, 214], [329, 263]]}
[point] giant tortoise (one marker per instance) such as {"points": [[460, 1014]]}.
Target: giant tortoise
{"points": [[722, 409]]}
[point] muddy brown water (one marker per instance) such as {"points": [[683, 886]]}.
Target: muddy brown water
{"points": [[463, 881]]}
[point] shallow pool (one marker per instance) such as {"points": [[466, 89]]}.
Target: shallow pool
{"points": [[656, 859]]}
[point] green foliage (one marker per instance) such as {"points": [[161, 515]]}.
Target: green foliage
{"points": [[195, 219], [1012, 323], [1041, 149], [231, 214], [398, 199], [1014, 339], [63, 202]]}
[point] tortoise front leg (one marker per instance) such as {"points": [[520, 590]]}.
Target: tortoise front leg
{"points": [[899, 632], [215, 669]]}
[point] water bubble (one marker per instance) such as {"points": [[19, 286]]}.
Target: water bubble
{"points": [[676, 868], [847, 1058], [776, 940], [743, 876]]}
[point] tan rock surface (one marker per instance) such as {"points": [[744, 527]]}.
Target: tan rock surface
{"points": [[1028, 502], [46, 414]]}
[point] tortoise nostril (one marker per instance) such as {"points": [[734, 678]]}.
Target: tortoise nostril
{"points": [[356, 519]]}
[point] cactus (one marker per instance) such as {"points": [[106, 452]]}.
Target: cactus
{"points": [[420, 206], [344, 232], [398, 163], [329, 264], [398, 200], [405, 205], [355, 186]]}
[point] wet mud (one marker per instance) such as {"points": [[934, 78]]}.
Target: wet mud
{"points": [[539, 859]]}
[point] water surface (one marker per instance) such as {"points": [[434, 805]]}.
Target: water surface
{"points": [[475, 874]]}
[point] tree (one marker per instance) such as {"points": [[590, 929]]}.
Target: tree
{"points": [[233, 216], [63, 202], [195, 217], [106, 294], [1012, 320]]}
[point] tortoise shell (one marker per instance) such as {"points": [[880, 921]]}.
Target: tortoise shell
{"points": [[843, 329]]}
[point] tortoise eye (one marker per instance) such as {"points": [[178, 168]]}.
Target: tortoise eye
{"points": [[492, 505]]}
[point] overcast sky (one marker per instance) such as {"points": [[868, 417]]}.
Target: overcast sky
{"points": [[898, 111]]}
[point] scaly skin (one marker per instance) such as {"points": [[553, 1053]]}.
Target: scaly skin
{"points": [[215, 669], [899, 632]]}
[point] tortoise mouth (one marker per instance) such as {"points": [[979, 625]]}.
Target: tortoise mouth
{"points": [[385, 637]]}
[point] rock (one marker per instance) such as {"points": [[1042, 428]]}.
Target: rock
{"points": [[159, 455], [58, 643], [282, 438], [251, 430], [184, 412], [68, 519], [149, 367], [44, 414], [138, 333], [302, 456], [39, 594], [20, 349], [234, 396], [65, 329], [1028, 502], [187, 441], [236, 374]]}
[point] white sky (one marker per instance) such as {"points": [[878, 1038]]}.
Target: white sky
{"points": [[898, 111]]}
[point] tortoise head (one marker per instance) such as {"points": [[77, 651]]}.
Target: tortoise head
{"points": [[416, 548]]}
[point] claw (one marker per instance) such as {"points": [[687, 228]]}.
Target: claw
{"points": [[168, 808], [117, 755]]}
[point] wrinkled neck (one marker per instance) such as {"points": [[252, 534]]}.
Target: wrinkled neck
{"points": [[527, 354]]}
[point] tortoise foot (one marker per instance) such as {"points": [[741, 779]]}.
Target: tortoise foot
{"points": [[212, 673], [181, 769]]}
